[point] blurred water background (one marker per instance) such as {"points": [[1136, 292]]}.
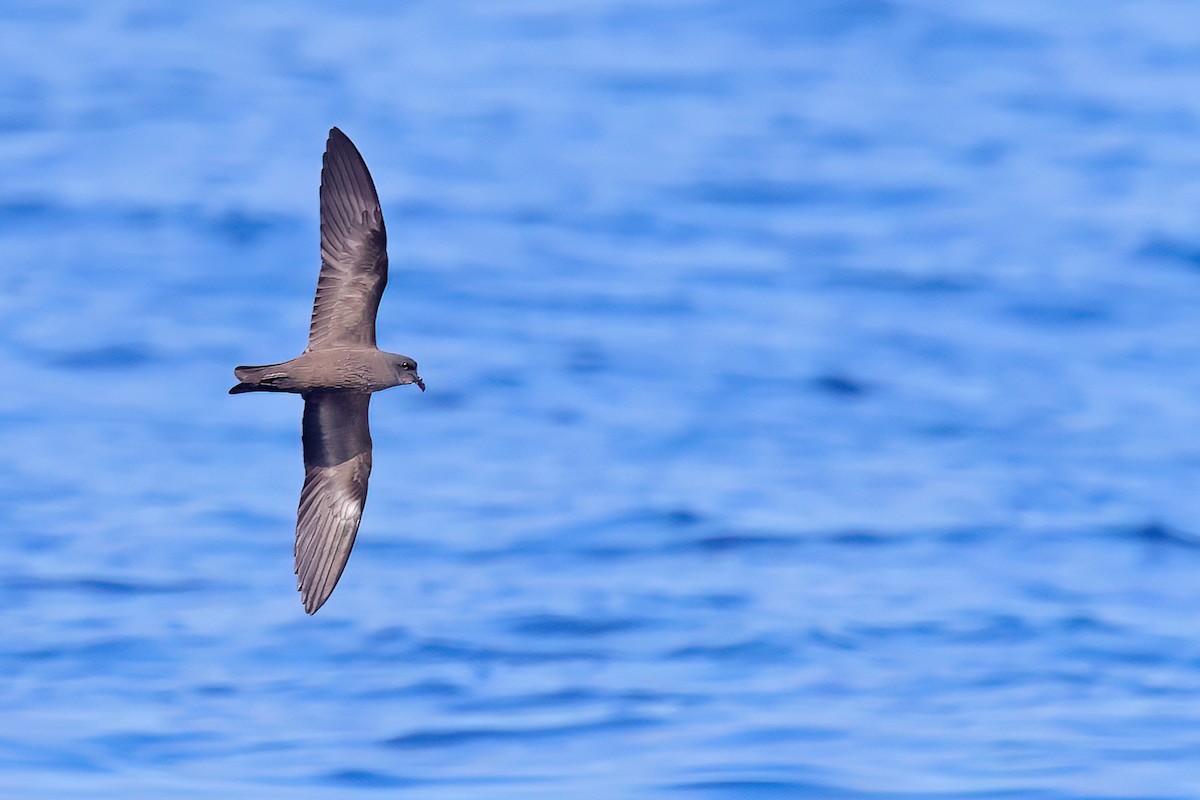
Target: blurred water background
{"points": [[812, 413]]}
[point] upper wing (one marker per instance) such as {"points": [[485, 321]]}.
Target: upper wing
{"points": [[353, 251], [337, 463]]}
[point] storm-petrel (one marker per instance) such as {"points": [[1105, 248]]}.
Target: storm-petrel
{"points": [[338, 371]]}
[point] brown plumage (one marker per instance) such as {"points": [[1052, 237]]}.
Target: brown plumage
{"points": [[338, 371]]}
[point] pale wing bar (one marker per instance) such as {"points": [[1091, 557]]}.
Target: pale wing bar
{"points": [[353, 251]]}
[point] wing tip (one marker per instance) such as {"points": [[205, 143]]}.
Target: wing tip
{"points": [[312, 603], [347, 188], [338, 140], [313, 594], [313, 591]]}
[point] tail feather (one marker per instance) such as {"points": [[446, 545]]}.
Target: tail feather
{"points": [[250, 379]]}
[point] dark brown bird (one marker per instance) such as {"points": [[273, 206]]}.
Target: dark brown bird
{"points": [[338, 371]]}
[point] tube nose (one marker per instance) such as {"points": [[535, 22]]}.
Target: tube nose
{"points": [[419, 382]]}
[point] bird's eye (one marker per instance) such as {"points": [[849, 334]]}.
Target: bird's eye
{"points": [[406, 365]]}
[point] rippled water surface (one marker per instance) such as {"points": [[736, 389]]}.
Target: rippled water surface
{"points": [[813, 410]]}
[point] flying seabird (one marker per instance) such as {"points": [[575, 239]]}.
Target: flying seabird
{"points": [[338, 371]]}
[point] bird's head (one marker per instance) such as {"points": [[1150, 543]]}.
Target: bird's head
{"points": [[406, 371]]}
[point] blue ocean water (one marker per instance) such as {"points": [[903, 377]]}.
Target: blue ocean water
{"points": [[812, 403]]}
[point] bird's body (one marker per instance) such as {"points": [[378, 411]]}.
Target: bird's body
{"points": [[341, 369], [338, 371]]}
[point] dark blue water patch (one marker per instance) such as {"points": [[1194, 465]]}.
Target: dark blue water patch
{"points": [[454, 651], [738, 542], [287, 51], [1059, 314], [1158, 247], [783, 733], [586, 358], [767, 194], [714, 541], [1086, 624], [994, 629], [1129, 656], [1004, 629], [104, 358], [839, 139], [557, 625], [245, 228], [945, 430], [656, 85], [502, 378], [468, 736], [1112, 167], [777, 24], [765, 789], [565, 416], [368, 779], [1075, 111], [972, 535], [112, 655], [101, 586], [880, 280], [20, 214], [157, 748], [591, 304], [157, 17], [920, 630], [41, 13], [540, 25], [235, 227], [578, 697], [28, 489], [389, 635], [241, 518], [445, 400], [679, 517], [752, 652], [24, 754], [865, 538], [833, 640], [1157, 534], [24, 103], [429, 688], [634, 519], [1048, 591], [749, 789], [989, 630], [972, 38], [421, 211], [841, 386], [133, 94], [612, 552], [563, 698], [984, 154], [532, 215], [762, 193], [627, 224], [496, 125]]}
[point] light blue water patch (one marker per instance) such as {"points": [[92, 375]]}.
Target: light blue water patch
{"points": [[812, 401]]}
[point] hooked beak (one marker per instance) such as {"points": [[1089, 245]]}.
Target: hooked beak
{"points": [[419, 382]]}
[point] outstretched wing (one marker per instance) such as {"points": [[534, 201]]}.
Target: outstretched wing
{"points": [[337, 463], [353, 251]]}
